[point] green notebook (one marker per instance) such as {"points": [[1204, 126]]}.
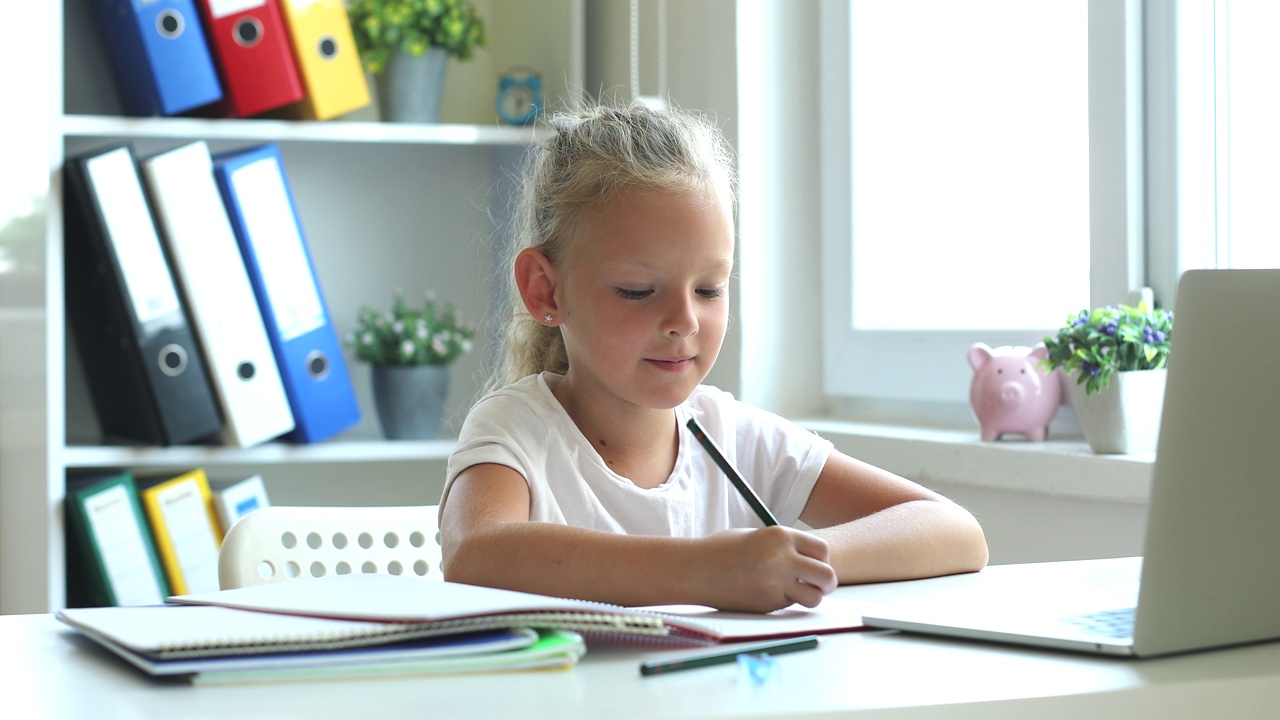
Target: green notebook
{"points": [[554, 649]]}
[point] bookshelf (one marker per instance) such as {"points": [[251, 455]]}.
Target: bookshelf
{"points": [[385, 207]]}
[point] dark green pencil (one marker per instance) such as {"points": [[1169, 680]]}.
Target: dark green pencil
{"points": [[776, 647], [743, 488]]}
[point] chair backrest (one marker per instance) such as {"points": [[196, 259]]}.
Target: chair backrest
{"points": [[278, 543]]}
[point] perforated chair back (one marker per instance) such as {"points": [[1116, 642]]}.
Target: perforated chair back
{"points": [[277, 544]]}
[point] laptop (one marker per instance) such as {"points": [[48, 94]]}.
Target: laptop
{"points": [[1210, 571]]}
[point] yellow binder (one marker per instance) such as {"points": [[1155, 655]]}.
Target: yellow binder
{"points": [[328, 61], [185, 527]]}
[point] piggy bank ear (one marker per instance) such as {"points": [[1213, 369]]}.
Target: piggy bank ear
{"points": [[1039, 352], [979, 354]]}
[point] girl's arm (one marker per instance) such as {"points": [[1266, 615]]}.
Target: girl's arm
{"points": [[489, 540], [881, 527]]}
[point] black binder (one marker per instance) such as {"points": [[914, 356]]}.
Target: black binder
{"points": [[145, 372]]}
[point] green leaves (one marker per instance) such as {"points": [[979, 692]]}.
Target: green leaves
{"points": [[383, 28], [1095, 345], [427, 335]]}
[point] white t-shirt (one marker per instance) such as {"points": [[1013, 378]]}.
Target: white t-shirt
{"points": [[524, 427]]}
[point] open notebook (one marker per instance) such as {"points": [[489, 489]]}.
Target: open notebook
{"points": [[1208, 576], [446, 608]]}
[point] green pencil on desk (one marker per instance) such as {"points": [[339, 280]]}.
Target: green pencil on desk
{"points": [[776, 647]]}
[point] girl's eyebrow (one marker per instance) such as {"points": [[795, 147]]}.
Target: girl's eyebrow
{"points": [[640, 264]]}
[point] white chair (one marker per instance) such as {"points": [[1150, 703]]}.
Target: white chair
{"points": [[278, 544]]}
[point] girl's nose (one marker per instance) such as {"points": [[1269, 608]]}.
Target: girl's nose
{"points": [[681, 320]]}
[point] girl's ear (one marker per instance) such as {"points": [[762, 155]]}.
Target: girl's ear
{"points": [[536, 280]]}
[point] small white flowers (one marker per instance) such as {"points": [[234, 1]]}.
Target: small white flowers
{"points": [[426, 335]]}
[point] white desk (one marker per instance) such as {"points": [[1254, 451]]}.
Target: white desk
{"points": [[50, 672]]}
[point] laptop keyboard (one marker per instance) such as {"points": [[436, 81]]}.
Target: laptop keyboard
{"points": [[1116, 623]]}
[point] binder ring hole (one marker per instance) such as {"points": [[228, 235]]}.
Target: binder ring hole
{"points": [[317, 365], [343, 568], [317, 569], [339, 541], [266, 570], [394, 568], [417, 539], [289, 540], [246, 371], [421, 568], [314, 541], [328, 47], [291, 570], [365, 540], [391, 540], [173, 360], [170, 24], [368, 568], [247, 32]]}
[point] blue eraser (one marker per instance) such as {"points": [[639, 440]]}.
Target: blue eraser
{"points": [[757, 669]]}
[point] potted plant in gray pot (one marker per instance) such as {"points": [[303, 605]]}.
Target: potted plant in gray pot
{"points": [[406, 46], [1117, 356], [409, 351]]}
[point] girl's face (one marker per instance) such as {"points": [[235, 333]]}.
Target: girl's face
{"points": [[645, 298]]}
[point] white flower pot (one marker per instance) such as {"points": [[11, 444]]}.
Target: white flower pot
{"points": [[1124, 417]]}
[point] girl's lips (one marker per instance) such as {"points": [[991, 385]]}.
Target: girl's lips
{"points": [[673, 364]]}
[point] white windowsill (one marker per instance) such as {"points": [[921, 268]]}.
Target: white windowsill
{"points": [[1063, 466]]}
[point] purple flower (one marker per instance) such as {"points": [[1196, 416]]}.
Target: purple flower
{"points": [[1081, 319], [1089, 368], [1153, 336], [1110, 328]]}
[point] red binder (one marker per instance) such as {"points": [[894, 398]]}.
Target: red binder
{"points": [[255, 60]]}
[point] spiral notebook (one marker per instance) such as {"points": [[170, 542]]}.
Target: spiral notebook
{"points": [[220, 643], [444, 607]]}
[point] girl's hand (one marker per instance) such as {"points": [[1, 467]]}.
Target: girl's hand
{"points": [[764, 570]]}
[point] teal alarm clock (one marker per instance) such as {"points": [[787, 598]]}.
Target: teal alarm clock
{"points": [[519, 97]]}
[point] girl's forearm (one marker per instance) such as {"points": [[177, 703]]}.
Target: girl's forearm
{"points": [[922, 538], [566, 561]]}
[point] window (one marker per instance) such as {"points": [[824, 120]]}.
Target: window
{"points": [[989, 182]]}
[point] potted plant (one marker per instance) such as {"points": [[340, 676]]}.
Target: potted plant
{"points": [[1117, 356], [406, 45], [409, 351]]}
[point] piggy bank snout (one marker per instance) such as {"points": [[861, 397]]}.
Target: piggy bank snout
{"points": [[1012, 392]]}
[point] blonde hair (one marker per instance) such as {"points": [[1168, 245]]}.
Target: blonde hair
{"points": [[594, 156]]}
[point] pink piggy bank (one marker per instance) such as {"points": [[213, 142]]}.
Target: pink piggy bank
{"points": [[1009, 393]]}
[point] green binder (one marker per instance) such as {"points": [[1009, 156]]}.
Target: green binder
{"points": [[111, 556]]}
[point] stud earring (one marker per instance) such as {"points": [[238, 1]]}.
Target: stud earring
{"points": [[548, 319]]}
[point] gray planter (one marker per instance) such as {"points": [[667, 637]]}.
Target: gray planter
{"points": [[410, 399], [410, 88]]}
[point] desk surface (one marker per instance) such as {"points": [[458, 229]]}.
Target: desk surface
{"points": [[51, 672]]}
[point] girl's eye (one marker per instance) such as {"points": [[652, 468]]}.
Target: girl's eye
{"points": [[626, 294], [711, 293]]}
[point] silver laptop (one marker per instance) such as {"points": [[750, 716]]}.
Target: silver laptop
{"points": [[1210, 572]]}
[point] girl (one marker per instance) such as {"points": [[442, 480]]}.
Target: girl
{"points": [[575, 475]]}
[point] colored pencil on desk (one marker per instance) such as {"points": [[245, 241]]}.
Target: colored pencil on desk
{"points": [[775, 647]]}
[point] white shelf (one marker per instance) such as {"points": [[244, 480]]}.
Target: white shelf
{"points": [[97, 456], [104, 126]]}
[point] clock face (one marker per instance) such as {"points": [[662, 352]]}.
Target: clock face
{"points": [[517, 102]]}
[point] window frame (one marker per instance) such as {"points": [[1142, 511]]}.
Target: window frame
{"points": [[929, 365]]}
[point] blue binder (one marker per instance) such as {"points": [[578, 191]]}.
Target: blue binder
{"points": [[256, 191], [161, 58]]}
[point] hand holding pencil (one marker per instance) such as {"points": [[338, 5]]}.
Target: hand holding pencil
{"points": [[779, 565]]}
